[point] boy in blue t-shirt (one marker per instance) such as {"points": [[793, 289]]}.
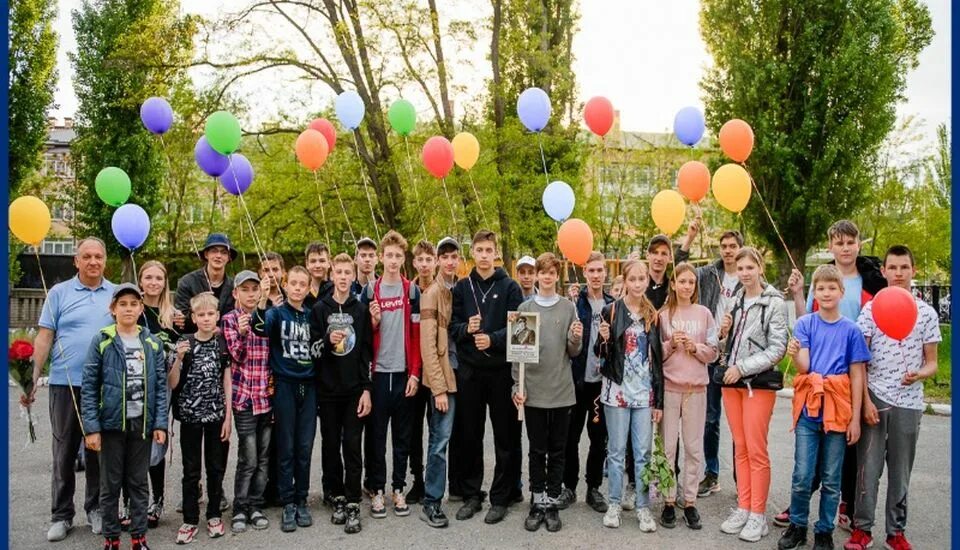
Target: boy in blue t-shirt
{"points": [[830, 353]]}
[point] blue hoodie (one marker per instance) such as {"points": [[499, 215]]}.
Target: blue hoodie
{"points": [[289, 333]]}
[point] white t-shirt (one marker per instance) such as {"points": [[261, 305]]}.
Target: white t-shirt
{"points": [[728, 288], [891, 359]]}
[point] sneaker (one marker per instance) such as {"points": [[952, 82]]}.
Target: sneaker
{"points": [[353, 519], [154, 512], [224, 504], [259, 521], [288, 518], [95, 521], [567, 497], [58, 530], [552, 519], [755, 529], [137, 542], [186, 533], [897, 542], [238, 524], [735, 521], [782, 519], [823, 541], [415, 495], [339, 515], [708, 486], [692, 517], [328, 499], [794, 537], [535, 518], [668, 517], [629, 500], [645, 519], [304, 518], [469, 509], [434, 516], [215, 528], [596, 501], [111, 543], [843, 518], [612, 518], [400, 507], [495, 514], [859, 540], [378, 508], [124, 518]]}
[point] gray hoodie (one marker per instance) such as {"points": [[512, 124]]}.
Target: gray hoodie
{"points": [[759, 334]]}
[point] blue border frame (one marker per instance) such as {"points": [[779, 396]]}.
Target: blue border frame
{"points": [[5, 316], [955, 268]]}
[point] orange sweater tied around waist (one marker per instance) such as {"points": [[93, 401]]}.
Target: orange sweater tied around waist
{"points": [[832, 391]]}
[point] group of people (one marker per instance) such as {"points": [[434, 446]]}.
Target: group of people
{"points": [[267, 353]]}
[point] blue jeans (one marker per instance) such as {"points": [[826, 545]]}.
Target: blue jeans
{"points": [[623, 422], [812, 443], [295, 427], [440, 426], [711, 431]]}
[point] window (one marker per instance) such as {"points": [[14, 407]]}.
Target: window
{"points": [[60, 247], [61, 212]]}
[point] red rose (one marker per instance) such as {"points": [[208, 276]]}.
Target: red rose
{"points": [[20, 350]]}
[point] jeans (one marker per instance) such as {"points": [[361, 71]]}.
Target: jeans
{"points": [[637, 424], [67, 437], [341, 433], [253, 458], [812, 443], [547, 434], [587, 394], [124, 461], [441, 426], [200, 444], [295, 412], [419, 409], [711, 430]]}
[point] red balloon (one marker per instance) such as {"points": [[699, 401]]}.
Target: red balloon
{"points": [[693, 180], [311, 149], [438, 156], [895, 312], [598, 114], [324, 126]]}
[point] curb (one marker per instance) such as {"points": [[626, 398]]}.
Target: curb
{"points": [[940, 409]]}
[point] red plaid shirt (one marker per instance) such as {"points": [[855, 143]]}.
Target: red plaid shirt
{"points": [[249, 364]]}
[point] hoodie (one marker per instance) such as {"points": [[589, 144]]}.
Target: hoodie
{"points": [[326, 289], [289, 333], [343, 371], [492, 298], [682, 370]]}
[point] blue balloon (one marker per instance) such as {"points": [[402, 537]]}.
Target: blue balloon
{"points": [[239, 175], [688, 125], [131, 226], [558, 200], [208, 159], [156, 115], [533, 108], [350, 109]]}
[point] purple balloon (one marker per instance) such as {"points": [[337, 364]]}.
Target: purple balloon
{"points": [[239, 175], [131, 226], [156, 114], [208, 159]]}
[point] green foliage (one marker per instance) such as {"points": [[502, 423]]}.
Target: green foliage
{"points": [[939, 388], [658, 471]]}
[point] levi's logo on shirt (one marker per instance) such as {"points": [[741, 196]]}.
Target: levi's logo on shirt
{"points": [[391, 304]]}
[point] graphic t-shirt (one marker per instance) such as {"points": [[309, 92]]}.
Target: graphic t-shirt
{"points": [[728, 288], [850, 303], [592, 373], [342, 322], [201, 398], [636, 392], [133, 355], [391, 355], [833, 346]]}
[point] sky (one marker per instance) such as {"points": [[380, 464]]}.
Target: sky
{"points": [[646, 57]]}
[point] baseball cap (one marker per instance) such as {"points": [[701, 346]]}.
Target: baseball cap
{"points": [[447, 242], [127, 288], [366, 241], [527, 260], [658, 240], [244, 276]]}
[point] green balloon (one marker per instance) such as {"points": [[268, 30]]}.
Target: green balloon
{"points": [[113, 186], [403, 117], [223, 132]]}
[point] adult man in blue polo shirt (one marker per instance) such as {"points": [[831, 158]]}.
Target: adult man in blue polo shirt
{"points": [[75, 310]]}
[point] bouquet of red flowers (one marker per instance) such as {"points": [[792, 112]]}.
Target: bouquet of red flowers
{"points": [[21, 371]]}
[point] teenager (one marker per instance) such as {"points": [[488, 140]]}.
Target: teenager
{"points": [[274, 272], [212, 277], [425, 262], [527, 277], [316, 258], [366, 260]]}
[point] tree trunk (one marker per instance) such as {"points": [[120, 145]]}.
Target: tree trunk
{"points": [[447, 122], [498, 122]]}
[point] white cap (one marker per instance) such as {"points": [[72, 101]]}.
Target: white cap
{"points": [[526, 260]]}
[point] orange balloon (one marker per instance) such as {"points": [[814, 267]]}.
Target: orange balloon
{"points": [[736, 139], [312, 149], [693, 180], [575, 240]]}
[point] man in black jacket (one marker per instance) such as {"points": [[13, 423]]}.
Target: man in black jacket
{"points": [[479, 328], [212, 277]]}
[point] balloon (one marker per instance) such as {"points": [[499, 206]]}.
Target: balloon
{"points": [[558, 200], [131, 226], [29, 219], [350, 109], [311, 149], [693, 180], [736, 139], [238, 176], [895, 312], [113, 186], [324, 126], [156, 115], [438, 156], [466, 150], [402, 116], [533, 108], [668, 210], [211, 162], [575, 240], [731, 187], [598, 114], [223, 132], [688, 125]]}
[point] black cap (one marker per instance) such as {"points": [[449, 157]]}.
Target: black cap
{"points": [[126, 288], [658, 240], [218, 239], [447, 242]]}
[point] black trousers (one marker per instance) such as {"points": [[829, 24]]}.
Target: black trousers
{"points": [[341, 433], [390, 408], [419, 415], [201, 447], [67, 436], [455, 448], [124, 461], [483, 389], [848, 479], [586, 409], [547, 434]]}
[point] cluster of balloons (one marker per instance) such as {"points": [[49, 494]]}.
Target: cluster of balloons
{"points": [[130, 222], [215, 153], [439, 155]]}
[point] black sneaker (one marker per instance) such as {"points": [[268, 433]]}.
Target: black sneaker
{"points": [[415, 495], [495, 514], [288, 519], [567, 497], [552, 519], [434, 516], [708, 486], [823, 541], [328, 499], [339, 516], [535, 518], [596, 501], [692, 517], [794, 537], [668, 518], [304, 519], [353, 519], [469, 509], [154, 513]]}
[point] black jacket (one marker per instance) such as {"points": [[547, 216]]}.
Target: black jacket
{"points": [[873, 281], [612, 352], [585, 314], [492, 298], [194, 283], [326, 289], [341, 376]]}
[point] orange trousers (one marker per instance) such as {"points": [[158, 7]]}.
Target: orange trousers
{"points": [[749, 420]]}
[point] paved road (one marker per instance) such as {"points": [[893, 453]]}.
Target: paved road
{"points": [[30, 505]]}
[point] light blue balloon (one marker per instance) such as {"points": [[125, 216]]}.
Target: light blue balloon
{"points": [[350, 109], [688, 125], [131, 226], [533, 108], [558, 200]]}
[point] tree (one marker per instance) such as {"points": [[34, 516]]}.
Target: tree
{"points": [[32, 81], [819, 82]]}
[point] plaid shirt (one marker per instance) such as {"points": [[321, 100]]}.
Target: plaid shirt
{"points": [[249, 365]]}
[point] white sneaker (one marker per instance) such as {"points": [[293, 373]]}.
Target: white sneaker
{"points": [[735, 521], [58, 530], [629, 500], [612, 517], [647, 525], [95, 521], [755, 529]]}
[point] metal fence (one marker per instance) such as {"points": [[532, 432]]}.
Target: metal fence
{"points": [[937, 296]]}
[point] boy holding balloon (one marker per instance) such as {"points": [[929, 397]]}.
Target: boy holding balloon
{"points": [[902, 333]]}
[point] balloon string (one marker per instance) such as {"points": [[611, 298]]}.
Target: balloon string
{"points": [[363, 178], [773, 223], [413, 183], [476, 194], [453, 216], [543, 159], [343, 209], [257, 245], [244, 254], [323, 215]]}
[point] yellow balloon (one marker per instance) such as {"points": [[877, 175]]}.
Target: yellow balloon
{"points": [[668, 210], [731, 187], [466, 150], [29, 219]]}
